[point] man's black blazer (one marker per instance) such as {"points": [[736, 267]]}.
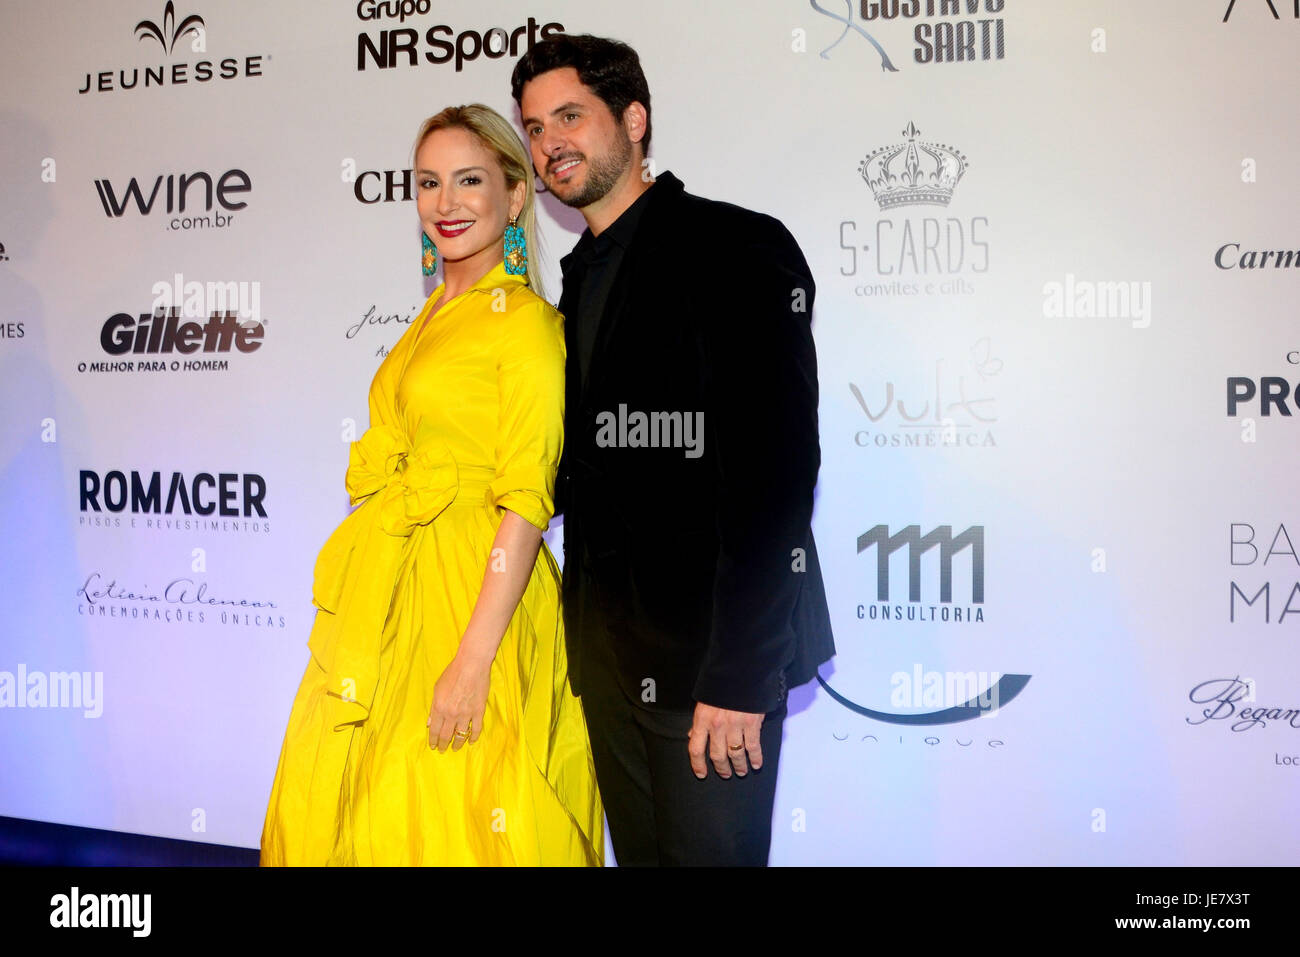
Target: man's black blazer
{"points": [[696, 565]]}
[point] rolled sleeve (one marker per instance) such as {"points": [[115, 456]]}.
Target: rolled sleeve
{"points": [[530, 424]]}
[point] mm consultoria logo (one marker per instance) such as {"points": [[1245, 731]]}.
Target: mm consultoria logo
{"points": [[913, 173], [917, 544], [170, 31]]}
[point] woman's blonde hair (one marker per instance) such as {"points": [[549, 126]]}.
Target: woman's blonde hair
{"points": [[498, 136]]}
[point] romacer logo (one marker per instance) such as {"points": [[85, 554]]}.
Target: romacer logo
{"points": [[170, 34], [228, 494]]}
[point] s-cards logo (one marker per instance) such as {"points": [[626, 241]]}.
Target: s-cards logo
{"points": [[910, 254]]}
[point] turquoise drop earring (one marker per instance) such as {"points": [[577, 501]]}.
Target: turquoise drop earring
{"points": [[429, 261], [516, 249]]}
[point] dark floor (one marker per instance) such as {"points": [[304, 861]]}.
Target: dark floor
{"points": [[36, 843]]}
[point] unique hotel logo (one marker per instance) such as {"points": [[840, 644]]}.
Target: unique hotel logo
{"points": [[913, 173], [170, 32]]}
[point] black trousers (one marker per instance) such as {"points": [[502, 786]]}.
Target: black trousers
{"points": [[659, 812]]}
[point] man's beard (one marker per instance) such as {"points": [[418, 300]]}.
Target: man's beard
{"points": [[602, 173]]}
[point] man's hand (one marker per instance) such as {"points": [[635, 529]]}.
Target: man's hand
{"points": [[731, 738]]}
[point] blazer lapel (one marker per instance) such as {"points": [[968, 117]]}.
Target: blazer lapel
{"points": [[630, 278]]}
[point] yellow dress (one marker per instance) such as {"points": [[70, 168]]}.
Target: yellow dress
{"points": [[465, 420]]}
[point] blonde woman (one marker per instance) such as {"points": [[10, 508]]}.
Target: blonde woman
{"points": [[434, 724]]}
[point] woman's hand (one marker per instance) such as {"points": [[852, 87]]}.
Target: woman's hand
{"points": [[459, 700], [460, 696]]}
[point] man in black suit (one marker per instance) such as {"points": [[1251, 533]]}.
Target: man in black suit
{"points": [[693, 600]]}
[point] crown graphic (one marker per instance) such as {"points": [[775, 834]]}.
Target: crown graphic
{"points": [[913, 173], [170, 32]]}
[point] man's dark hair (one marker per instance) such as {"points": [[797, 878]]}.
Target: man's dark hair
{"points": [[610, 68]]}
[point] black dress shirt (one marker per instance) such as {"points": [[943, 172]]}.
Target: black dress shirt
{"points": [[602, 255]]}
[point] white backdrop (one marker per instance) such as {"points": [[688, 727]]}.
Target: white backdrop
{"points": [[1039, 358]]}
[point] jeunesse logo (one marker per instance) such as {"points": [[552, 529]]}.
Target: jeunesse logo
{"points": [[168, 33]]}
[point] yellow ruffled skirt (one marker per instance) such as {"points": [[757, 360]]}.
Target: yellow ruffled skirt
{"points": [[357, 783]]}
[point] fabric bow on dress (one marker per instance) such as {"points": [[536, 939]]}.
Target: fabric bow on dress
{"points": [[397, 486]]}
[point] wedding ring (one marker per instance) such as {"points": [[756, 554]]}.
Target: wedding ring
{"points": [[735, 747]]}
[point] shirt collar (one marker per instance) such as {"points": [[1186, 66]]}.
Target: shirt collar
{"points": [[621, 230], [494, 278]]}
